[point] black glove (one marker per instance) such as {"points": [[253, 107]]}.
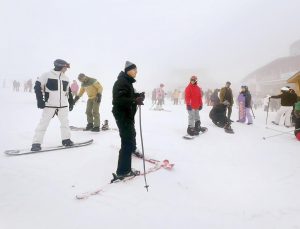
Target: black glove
{"points": [[71, 106], [41, 103], [189, 107], [139, 100], [98, 98], [200, 108], [76, 99], [142, 95]]}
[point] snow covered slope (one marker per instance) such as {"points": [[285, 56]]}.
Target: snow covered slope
{"points": [[219, 181]]}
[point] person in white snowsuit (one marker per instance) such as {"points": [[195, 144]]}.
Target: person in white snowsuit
{"points": [[54, 96]]}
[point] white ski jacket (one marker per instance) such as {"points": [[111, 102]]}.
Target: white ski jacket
{"points": [[55, 86]]}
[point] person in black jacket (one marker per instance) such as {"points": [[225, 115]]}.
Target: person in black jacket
{"points": [[125, 102], [219, 118], [288, 100]]}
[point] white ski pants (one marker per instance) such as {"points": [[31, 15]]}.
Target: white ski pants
{"points": [[287, 112], [193, 117], [47, 115]]}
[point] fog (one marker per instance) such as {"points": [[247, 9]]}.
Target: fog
{"points": [[167, 40]]}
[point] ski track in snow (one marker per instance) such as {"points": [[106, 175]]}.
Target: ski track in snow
{"points": [[219, 180]]}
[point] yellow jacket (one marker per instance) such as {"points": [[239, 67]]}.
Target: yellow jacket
{"points": [[91, 86]]}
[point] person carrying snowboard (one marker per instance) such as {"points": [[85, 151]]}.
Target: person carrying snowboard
{"points": [[226, 94], [53, 95], [219, 118], [193, 100], [245, 107], [125, 102], [94, 91]]}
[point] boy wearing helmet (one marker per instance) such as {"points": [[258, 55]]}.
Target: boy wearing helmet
{"points": [[193, 100], [54, 96]]}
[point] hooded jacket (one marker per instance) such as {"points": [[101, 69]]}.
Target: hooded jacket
{"points": [[193, 96], [54, 87], [91, 86]]}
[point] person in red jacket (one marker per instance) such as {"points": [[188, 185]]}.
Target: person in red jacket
{"points": [[193, 100]]}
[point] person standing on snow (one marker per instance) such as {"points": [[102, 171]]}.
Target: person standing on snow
{"points": [[160, 94], [125, 102], [297, 120], [248, 102], [193, 100], [94, 91], [226, 94], [53, 95], [288, 100]]}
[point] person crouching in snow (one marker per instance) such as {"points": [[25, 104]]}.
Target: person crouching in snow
{"points": [[193, 100], [297, 120], [219, 118], [53, 95]]}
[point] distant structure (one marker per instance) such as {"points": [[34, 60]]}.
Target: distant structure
{"points": [[269, 78]]}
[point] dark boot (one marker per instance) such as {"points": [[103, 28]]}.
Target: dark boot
{"points": [[89, 126], [67, 142], [191, 131], [197, 126], [228, 128], [36, 147], [96, 129], [105, 125]]}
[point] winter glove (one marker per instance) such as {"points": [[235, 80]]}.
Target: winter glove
{"points": [[41, 104], [139, 100], [142, 95], [200, 108], [76, 99], [189, 107], [98, 98], [71, 106]]}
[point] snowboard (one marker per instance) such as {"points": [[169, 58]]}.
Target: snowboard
{"points": [[242, 108], [18, 152], [189, 137]]}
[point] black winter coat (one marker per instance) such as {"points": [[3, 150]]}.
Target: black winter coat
{"points": [[218, 115], [247, 99], [287, 98], [124, 105]]}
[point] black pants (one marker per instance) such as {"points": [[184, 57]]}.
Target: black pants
{"points": [[128, 145], [229, 111]]}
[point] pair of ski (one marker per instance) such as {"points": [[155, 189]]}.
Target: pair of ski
{"points": [[157, 165], [190, 137]]}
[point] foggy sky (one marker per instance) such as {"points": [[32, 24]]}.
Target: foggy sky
{"points": [[225, 39]]}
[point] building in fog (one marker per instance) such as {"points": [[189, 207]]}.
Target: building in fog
{"points": [[269, 78]]}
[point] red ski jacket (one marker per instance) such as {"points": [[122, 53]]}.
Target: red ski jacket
{"points": [[193, 96]]}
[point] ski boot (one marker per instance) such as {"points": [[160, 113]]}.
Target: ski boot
{"points": [[191, 131], [105, 125], [198, 127], [89, 126], [67, 142], [120, 177], [36, 147]]}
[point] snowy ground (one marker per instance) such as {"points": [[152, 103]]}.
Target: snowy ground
{"points": [[220, 180]]}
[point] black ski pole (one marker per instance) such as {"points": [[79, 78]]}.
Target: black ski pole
{"points": [[282, 133], [267, 113], [142, 143]]}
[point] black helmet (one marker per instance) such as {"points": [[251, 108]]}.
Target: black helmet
{"points": [[61, 63]]}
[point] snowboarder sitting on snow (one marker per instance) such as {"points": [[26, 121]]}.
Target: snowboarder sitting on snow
{"points": [[288, 100], [218, 116], [125, 102], [53, 95], [193, 100], [94, 91], [297, 120]]}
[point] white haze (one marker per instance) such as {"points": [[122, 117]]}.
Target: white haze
{"points": [[216, 40]]}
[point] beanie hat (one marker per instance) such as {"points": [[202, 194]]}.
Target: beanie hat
{"points": [[228, 83], [61, 63], [194, 78], [81, 76], [298, 136], [129, 66], [285, 88], [297, 106]]}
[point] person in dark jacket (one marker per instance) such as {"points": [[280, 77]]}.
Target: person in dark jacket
{"points": [[219, 118], [288, 100], [297, 120], [125, 102], [248, 104], [226, 94]]}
